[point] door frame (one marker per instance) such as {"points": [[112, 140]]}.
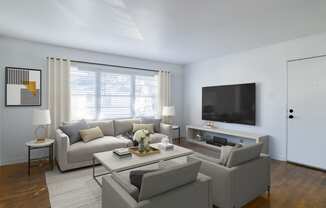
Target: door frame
{"points": [[287, 99]]}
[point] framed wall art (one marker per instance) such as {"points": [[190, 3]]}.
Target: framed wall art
{"points": [[23, 87]]}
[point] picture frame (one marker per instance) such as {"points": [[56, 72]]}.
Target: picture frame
{"points": [[23, 87]]}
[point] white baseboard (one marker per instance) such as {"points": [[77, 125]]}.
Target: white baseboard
{"points": [[278, 157], [15, 161]]}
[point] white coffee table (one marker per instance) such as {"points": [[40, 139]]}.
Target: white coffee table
{"points": [[114, 164]]}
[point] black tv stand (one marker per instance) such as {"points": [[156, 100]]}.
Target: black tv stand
{"points": [[211, 142]]}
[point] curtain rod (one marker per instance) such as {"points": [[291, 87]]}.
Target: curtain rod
{"points": [[110, 65]]}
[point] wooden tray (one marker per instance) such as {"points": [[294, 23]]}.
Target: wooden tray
{"points": [[151, 151]]}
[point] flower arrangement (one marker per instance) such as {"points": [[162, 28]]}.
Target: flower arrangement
{"points": [[143, 139]]}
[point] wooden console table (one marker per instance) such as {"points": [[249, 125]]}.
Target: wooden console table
{"points": [[246, 137]]}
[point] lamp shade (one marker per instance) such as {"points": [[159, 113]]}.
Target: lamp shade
{"points": [[41, 117], [168, 111]]}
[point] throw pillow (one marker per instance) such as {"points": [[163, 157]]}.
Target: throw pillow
{"points": [[148, 127], [225, 153], [136, 177], [91, 134], [155, 121], [130, 135], [72, 130]]}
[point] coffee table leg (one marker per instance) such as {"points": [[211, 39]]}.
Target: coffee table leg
{"points": [[96, 176]]}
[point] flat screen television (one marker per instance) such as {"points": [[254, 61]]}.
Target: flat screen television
{"points": [[230, 103]]}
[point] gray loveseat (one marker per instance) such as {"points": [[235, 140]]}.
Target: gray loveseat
{"points": [[71, 156], [245, 176]]}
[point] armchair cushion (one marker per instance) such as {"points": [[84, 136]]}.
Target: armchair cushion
{"points": [[161, 181], [244, 154], [72, 130]]}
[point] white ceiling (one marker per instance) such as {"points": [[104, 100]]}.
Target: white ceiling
{"points": [[177, 31]]}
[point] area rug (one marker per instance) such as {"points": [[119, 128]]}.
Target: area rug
{"points": [[77, 189]]}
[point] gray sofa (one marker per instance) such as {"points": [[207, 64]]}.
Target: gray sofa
{"points": [[71, 156], [245, 176], [176, 186]]}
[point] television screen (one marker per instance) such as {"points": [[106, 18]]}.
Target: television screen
{"points": [[230, 103]]}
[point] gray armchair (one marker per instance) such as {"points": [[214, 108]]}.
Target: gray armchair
{"points": [[245, 176], [175, 187]]}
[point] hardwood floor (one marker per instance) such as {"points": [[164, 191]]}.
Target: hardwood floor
{"points": [[292, 186], [18, 190]]}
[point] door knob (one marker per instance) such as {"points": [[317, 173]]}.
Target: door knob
{"points": [[291, 111], [291, 116]]}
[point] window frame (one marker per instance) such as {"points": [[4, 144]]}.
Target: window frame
{"points": [[132, 74]]}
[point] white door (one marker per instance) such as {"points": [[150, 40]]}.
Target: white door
{"points": [[307, 122]]}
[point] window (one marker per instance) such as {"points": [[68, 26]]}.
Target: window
{"points": [[110, 94]]}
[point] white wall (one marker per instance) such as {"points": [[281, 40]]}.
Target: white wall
{"points": [[15, 123], [268, 68]]}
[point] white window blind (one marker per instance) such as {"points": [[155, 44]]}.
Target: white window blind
{"points": [[146, 102], [110, 94]]}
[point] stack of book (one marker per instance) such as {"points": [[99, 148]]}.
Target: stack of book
{"points": [[122, 152]]}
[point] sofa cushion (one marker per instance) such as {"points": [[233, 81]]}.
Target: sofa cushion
{"points": [[82, 151], [161, 181], [126, 185], [156, 137], [155, 121], [124, 125], [107, 126], [91, 134], [244, 154], [140, 126], [72, 130]]}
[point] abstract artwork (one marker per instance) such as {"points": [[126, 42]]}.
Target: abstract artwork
{"points": [[23, 87]]}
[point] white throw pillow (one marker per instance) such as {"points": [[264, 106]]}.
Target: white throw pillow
{"points": [[148, 127]]}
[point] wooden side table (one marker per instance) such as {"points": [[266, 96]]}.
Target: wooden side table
{"points": [[175, 127], [32, 145]]}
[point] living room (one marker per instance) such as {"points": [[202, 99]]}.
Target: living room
{"points": [[205, 101]]}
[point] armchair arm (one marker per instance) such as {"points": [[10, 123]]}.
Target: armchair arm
{"points": [[166, 129], [113, 195], [222, 177]]}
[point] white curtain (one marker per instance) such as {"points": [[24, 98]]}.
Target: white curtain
{"points": [[58, 92], [164, 83]]}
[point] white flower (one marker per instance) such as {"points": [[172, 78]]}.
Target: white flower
{"points": [[142, 135]]}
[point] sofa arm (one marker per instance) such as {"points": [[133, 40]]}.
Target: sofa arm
{"points": [[166, 129], [113, 195], [62, 140], [62, 144]]}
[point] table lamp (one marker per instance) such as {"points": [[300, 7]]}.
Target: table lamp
{"points": [[168, 112], [41, 119]]}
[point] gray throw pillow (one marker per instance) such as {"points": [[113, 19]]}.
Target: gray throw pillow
{"points": [[72, 130], [136, 177]]}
